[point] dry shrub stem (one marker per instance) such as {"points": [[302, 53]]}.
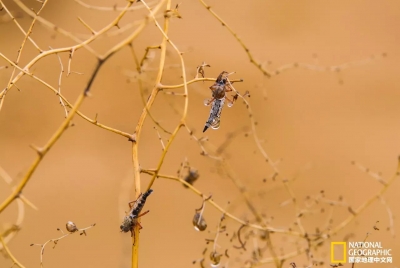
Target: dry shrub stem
{"points": [[213, 203], [15, 261], [138, 130], [139, 66], [362, 207], [41, 152]]}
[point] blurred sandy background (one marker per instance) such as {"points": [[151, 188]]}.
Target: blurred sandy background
{"points": [[317, 122]]}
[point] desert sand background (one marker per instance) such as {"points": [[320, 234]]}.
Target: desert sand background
{"points": [[316, 122]]}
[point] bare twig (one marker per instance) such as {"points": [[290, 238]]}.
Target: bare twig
{"points": [[71, 228]]}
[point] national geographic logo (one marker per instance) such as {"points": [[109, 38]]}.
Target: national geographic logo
{"points": [[360, 252]]}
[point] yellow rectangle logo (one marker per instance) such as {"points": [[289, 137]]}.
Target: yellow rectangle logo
{"points": [[333, 252]]}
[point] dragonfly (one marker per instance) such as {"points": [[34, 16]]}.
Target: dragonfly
{"points": [[131, 219], [219, 90]]}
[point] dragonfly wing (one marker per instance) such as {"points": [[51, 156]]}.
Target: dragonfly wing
{"points": [[216, 123]]}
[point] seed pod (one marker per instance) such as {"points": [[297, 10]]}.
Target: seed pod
{"points": [[215, 259], [199, 222], [191, 177], [71, 227], [264, 235]]}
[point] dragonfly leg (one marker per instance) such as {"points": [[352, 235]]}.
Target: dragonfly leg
{"points": [[228, 88], [144, 213], [208, 102], [133, 202], [228, 99], [230, 102]]}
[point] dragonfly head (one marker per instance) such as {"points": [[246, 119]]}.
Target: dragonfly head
{"points": [[126, 225]]}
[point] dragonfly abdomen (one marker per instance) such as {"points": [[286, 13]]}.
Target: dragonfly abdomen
{"points": [[215, 113], [140, 204]]}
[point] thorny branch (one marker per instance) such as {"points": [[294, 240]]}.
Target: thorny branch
{"points": [[139, 67], [41, 152]]}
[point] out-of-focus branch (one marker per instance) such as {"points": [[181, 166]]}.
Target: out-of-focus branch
{"points": [[362, 207], [229, 215], [15, 261]]}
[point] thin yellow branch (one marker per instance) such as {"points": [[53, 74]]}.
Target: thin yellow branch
{"points": [[193, 81], [20, 27], [42, 151], [362, 207], [56, 28], [17, 191], [138, 130], [114, 8], [182, 123], [27, 36], [87, 25], [229, 215], [138, 68], [66, 49], [93, 121], [15, 261], [251, 57], [144, 58]]}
